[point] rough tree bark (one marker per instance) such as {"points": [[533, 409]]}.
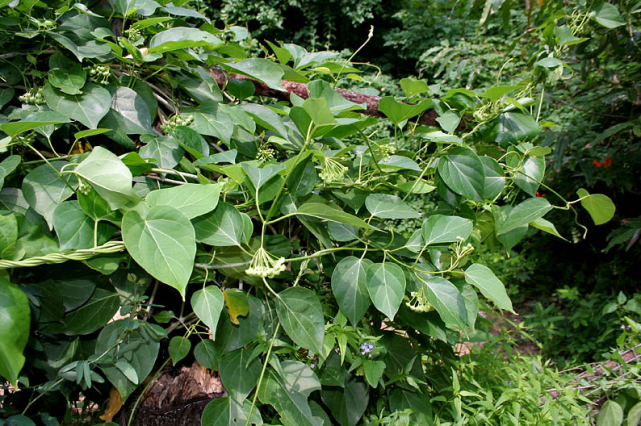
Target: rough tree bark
{"points": [[177, 397], [427, 118]]}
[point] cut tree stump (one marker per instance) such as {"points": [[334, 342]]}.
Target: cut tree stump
{"points": [[177, 397]]}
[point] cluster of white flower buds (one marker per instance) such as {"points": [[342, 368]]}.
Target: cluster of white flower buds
{"points": [[99, 74], [83, 187], [33, 96], [132, 33], [387, 151], [332, 170], [265, 154], [418, 302], [174, 121], [461, 249], [264, 265]]}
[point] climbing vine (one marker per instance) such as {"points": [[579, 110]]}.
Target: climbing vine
{"points": [[318, 268]]}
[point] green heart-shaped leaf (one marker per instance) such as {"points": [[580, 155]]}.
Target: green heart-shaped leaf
{"points": [[386, 287], [88, 108], [163, 242]]}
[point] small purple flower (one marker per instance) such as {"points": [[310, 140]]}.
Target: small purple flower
{"points": [[367, 348]]}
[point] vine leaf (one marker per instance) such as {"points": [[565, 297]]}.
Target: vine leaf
{"points": [[449, 121], [8, 232], [399, 112], [76, 230], [335, 101], [181, 38], [610, 414], [261, 69], [7, 166], [162, 241], [91, 316], [510, 238], [239, 373], [389, 207], [237, 304], [223, 227], [14, 329], [491, 287], [227, 412], [600, 207], [303, 179], [546, 226], [347, 405], [349, 285], [299, 377], [206, 354], [44, 189], [165, 151], [129, 371], [494, 178], [88, 108], [109, 176], [191, 199], [386, 287], [334, 214], [398, 162], [241, 89], [445, 229], [319, 112], [129, 113], [447, 300], [471, 300], [96, 207], [179, 348], [634, 415], [230, 337], [33, 121], [413, 87], [266, 118], [259, 177], [191, 141], [292, 406], [373, 371], [512, 127], [90, 49], [208, 304], [530, 175], [301, 315], [526, 212], [463, 172], [421, 409], [70, 80], [607, 15]]}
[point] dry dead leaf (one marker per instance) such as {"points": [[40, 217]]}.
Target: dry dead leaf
{"points": [[113, 406]]}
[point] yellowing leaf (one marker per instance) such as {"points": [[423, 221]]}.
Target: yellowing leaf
{"points": [[113, 406], [236, 302]]}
